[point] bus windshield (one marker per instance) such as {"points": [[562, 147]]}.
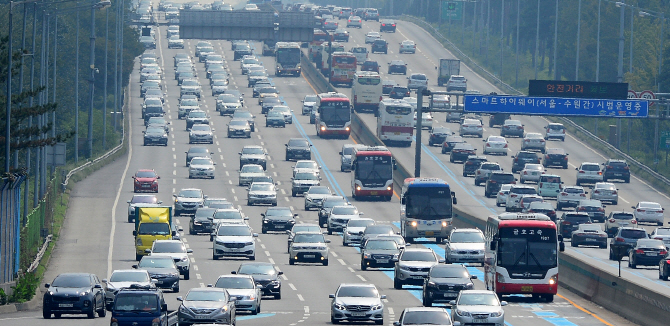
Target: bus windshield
{"points": [[335, 112], [527, 249], [288, 55], [428, 203], [374, 81], [374, 169], [399, 110]]}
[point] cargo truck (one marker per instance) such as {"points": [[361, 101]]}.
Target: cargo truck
{"points": [[447, 68], [151, 224]]}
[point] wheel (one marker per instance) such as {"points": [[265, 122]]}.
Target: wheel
{"points": [[57, 315], [427, 302], [138, 257], [548, 297], [325, 262], [252, 257], [187, 276], [278, 295], [102, 312], [264, 231], [363, 266], [333, 320], [46, 314], [130, 219], [293, 194], [611, 257], [397, 284], [91, 314], [627, 180], [214, 257], [631, 263], [330, 231], [176, 289], [573, 243], [659, 223], [477, 183], [662, 276]]}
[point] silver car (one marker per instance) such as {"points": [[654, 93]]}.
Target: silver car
{"points": [[353, 232], [141, 200], [413, 266], [605, 191], [478, 306], [310, 247], [339, 217], [533, 141], [357, 302], [206, 305], [123, 279], [465, 246], [471, 127], [262, 193], [648, 212], [345, 156], [315, 195], [244, 289]]}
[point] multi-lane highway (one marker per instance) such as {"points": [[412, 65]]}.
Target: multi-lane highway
{"points": [[97, 238]]}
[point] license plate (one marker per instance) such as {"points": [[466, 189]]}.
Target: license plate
{"points": [[279, 226], [589, 239], [373, 193], [617, 174], [429, 233], [382, 261], [234, 249], [146, 186], [450, 294], [480, 321], [526, 289], [309, 256], [418, 277], [651, 254], [201, 317], [65, 305], [358, 314], [396, 133]]}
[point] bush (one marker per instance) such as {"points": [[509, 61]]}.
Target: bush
{"points": [[25, 288], [3, 297]]}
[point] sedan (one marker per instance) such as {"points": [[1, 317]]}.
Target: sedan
{"points": [[501, 197], [533, 141], [355, 21], [647, 252], [589, 173], [201, 133], [309, 247], [155, 136], [531, 172], [245, 114], [465, 246], [438, 135], [239, 128], [478, 306], [379, 252], [163, 270], [413, 266], [74, 293], [207, 305], [426, 120], [370, 37], [340, 35], [512, 128], [303, 227], [315, 195], [616, 220], [339, 216], [648, 212], [450, 142], [495, 145], [471, 127], [262, 193], [265, 275], [243, 290], [445, 282], [201, 167], [286, 111], [357, 302], [275, 119], [460, 152], [248, 171], [407, 46], [397, 67], [122, 279], [589, 235], [605, 191]]}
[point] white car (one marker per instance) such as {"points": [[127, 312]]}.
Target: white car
{"points": [[589, 172], [471, 304], [123, 279], [308, 104], [175, 42], [315, 195], [414, 81], [262, 193], [352, 233], [605, 191], [176, 250], [648, 212], [555, 131], [186, 106], [248, 61], [248, 172], [355, 21], [243, 287], [234, 240], [407, 46], [302, 165], [531, 172], [201, 167], [457, 83], [339, 217], [370, 37], [570, 197], [495, 145], [465, 246], [311, 247], [227, 215], [201, 133], [533, 141], [426, 120], [484, 170], [516, 192], [471, 127], [501, 197]]}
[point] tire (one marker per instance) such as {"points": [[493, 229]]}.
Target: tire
{"points": [[363, 266], [138, 257], [397, 284], [176, 290], [91, 314], [130, 219], [264, 231], [427, 302], [333, 320], [46, 314], [278, 295], [573, 243], [57, 315], [662, 276], [548, 297], [187, 276], [325, 262], [293, 194], [214, 257], [102, 312], [631, 264], [611, 256], [252, 257]]}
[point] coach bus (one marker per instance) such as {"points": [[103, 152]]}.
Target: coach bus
{"points": [[342, 69], [395, 122], [521, 255], [333, 118], [426, 209], [287, 59], [372, 173], [366, 91]]}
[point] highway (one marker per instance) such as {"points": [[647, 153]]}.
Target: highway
{"points": [[97, 238]]}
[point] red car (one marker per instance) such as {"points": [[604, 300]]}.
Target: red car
{"points": [[146, 180]]}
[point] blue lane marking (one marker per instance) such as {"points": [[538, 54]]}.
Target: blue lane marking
{"points": [[255, 316], [549, 316]]}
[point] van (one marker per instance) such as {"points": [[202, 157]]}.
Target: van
{"points": [[550, 185]]}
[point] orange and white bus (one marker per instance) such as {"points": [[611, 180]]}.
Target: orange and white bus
{"points": [[342, 69], [372, 173]]}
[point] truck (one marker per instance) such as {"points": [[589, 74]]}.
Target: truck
{"points": [[141, 306], [151, 224], [287, 58], [269, 48], [447, 68]]}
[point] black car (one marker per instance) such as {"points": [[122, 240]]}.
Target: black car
{"points": [[197, 151], [647, 252], [472, 163], [370, 65], [379, 46], [241, 50], [521, 158], [265, 275], [387, 25], [397, 67], [74, 293], [616, 170], [496, 180], [269, 103], [625, 239], [664, 268], [387, 86], [445, 282], [497, 119], [163, 269], [298, 149], [570, 221], [277, 219], [379, 252], [201, 221], [155, 135], [555, 157], [450, 142], [341, 35], [438, 135], [399, 92], [461, 152]]}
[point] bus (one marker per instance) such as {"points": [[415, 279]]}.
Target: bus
{"points": [[372, 173], [426, 209], [287, 58], [342, 69], [323, 56], [315, 45], [333, 118], [366, 91], [395, 122], [521, 255]]}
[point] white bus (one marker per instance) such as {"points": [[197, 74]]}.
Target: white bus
{"points": [[366, 91], [395, 122]]}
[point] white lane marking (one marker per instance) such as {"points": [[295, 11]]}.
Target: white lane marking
{"points": [[300, 297], [627, 202], [572, 165], [262, 246], [292, 287], [227, 174], [195, 267], [306, 310], [230, 182], [174, 172], [232, 190], [283, 275], [235, 198], [391, 311], [351, 269], [286, 198], [361, 277], [267, 253], [271, 261], [174, 181], [272, 166], [198, 276], [341, 261], [202, 285], [332, 253], [283, 192]]}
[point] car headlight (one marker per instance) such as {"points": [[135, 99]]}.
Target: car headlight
{"points": [[266, 221], [497, 313], [462, 313], [84, 293], [138, 242], [219, 243], [403, 267], [376, 307], [224, 309], [175, 274], [248, 243], [431, 284], [339, 306], [183, 310], [470, 286], [184, 259], [321, 248], [395, 256], [366, 255]]}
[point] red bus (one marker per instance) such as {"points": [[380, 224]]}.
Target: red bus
{"points": [[342, 68], [521, 255], [372, 173], [333, 118], [315, 45]]}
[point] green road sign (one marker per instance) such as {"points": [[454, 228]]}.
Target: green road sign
{"points": [[665, 140], [451, 10]]}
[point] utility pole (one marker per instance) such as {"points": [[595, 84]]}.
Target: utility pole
{"points": [[104, 110], [516, 78], [91, 83], [537, 39], [556, 40], [579, 28]]}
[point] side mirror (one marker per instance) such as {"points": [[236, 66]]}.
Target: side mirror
{"points": [[327, 240], [128, 202], [332, 296], [147, 251], [255, 235], [179, 298], [503, 303], [561, 246], [474, 277], [47, 285], [164, 307], [189, 251], [452, 302], [233, 272], [134, 266], [280, 273], [134, 233], [396, 323]]}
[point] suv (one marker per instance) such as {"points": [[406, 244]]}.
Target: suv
{"points": [[523, 157], [555, 157], [387, 25], [498, 119], [570, 221], [413, 266], [74, 293], [496, 180], [298, 148], [626, 237], [266, 276], [148, 300], [278, 219], [554, 130], [516, 192], [457, 83], [379, 46], [253, 154], [484, 170], [570, 196], [397, 67], [399, 92], [589, 173], [371, 14], [234, 240], [472, 163], [315, 195], [594, 208], [176, 250], [308, 247], [370, 65], [379, 252], [616, 169], [617, 220], [445, 282], [188, 200], [414, 81]]}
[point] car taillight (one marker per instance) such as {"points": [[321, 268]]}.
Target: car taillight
{"points": [[468, 163], [516, 159], [581, 209], [614, 192], [505, 146], [633, 221], [513, 195], [601, 210], [501, 194], [519, 127], [541, 140], [380, 99], [488, 145], [525, 172], [583, 195], [580, 171], [658, 238], [493, 181], [540, 185], [609, 166], [566, 223], [612, 220], [660, 212], [639, 251], [596, 191], [383, 24], [355, 98], [640, 210], [546, 157], [564, 194], [600, 173], [619, 239], [626, 168], [393, 25]]}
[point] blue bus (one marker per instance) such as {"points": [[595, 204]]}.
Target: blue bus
{"points": [[426, 209]]}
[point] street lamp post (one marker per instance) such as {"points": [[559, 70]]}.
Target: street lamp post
{"points": [[661, 16], [537, 39], [91, 84], [516, 65], [579, 30], [556, 40]]}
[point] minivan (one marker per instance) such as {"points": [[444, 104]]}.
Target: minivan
{"points": [[550, 185]]}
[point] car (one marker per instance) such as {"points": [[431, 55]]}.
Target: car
{"points": [[308, 103], [262, 193], [201, 133], [438, 135], [275, 119], [370, 65], [588, 172], [664, 268], [371, 14], [512, 128], [414, 81], [496, 180], [616, 170], [379, 46], [187, 201], [593, 207], [373, 231], [526, 200], [278, 219], [213, 202], [495, 145], [247, 172], [501, 196], [196, 117], [326, 206], [461, 152], [303, 179], [472, 127], [262, 84], [516, 192], [387, 25], [399, 92], [175, 42], [201, 221], [124, 278], [256, 76], [253, 154], [624, 240], [186, 106], [346, 158], [457, 83], [201, 167], [357, 302], [154, 93], [298, 148], [397, 67], [247, 61], [387, 86], [330, 25], [245, 291], [190, 86], [533, 141], [265, 275], [83, 293], [531, 172], [589, 235], [450, 142], [413, 266], [370, 37], [570, 221], [163, 270], [148, 41], [554, 131], [542, 207], [227, 104], [269, 102], [522, 158], [498, 119], [226, 216], [555, 157], [663, 234], [570, 196], [340, 35], [245, 114], [353, 232], [302, 227], [234, 239], [647, 252], [618, 219], [219, 87], [361, 54], [145, 180], [379, 252], [309, 247], [454, 116], [196, 151], [239, 128], [354, 21], [176, 250], [407, 46], [339, 216], [439, 103], [483, 171], [141, 200], [472, 163], [444, 283], [464, 245], [471, 304], [648, 212], [285, 111]]}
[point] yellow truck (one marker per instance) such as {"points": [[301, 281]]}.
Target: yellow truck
{"points": [[151, 224]]}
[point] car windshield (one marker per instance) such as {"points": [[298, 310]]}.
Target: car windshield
{"points": [[256, 269], [201, 161], [195, 295], [144, 199], [310, 98], [426, 318], [650, 243], [622, 216], [360, 223], [72, 281], [358, 292], [229, 99], [298, 143], [471, 237], [634, 234], [189, 102], [257, 73], [252, 169], [260, 187], [252, 150], [242, 114], [275, 114], [318, 191], [145, 174], [572, 190], [129, 277], [197, 114], [331, 202], [238, 122], [154, 229], [418, 256], [489, 166], [232, 214], [190, 193], [306, 176], [200, 127], [309, 238], [478, 299], [347, 210], [168, 247], [234, 231], [189, 83], [381, 245], [235, 283], [590, 167], [148, 262], [648, 205]]}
